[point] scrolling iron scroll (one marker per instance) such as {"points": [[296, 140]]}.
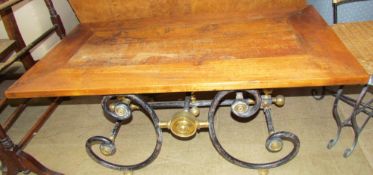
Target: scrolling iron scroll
{"points": [[110, 141], [276, 135]]}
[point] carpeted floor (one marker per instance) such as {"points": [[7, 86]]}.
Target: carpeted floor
{"points": [[60, 144]]}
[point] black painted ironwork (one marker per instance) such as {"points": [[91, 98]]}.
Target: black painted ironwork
{"points": [[358, 107], [110, 141], [251, 100], [282, 135], [318, 95]]}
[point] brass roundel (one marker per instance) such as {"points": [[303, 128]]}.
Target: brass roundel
{"points": [[280, 100], [240, 107], [184, 124], [123, 111], [263, 171], [107, 149], [274, 145]]}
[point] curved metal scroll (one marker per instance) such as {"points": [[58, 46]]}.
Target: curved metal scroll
{"points": [[105, 106], [104, 140], [351, 121], [318, 94], [278, 135]]}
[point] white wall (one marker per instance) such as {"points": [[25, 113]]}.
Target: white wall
{"points": [[357, 11], [33, 19]]}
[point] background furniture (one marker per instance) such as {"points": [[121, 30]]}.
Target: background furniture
{"points": [[13, 159], [358, 37]]}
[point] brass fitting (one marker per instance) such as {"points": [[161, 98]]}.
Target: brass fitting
{"points": [[112, 107], [274, 145], [268, 99], [124, 100], [279, 100], [128, 172], [267, 91], [240, 107], [107, 149], [193, 98], [195, 111], [134, 107], [122, 110], [184, 124], [263, 171]]}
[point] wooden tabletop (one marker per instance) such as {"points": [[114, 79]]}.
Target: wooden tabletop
{"points": [[194, 53]]}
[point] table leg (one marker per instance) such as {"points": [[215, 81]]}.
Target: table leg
{"points": [[15, 160], [120, 109], [184, 125], [273, 138], [358, 107], [352, 122]]}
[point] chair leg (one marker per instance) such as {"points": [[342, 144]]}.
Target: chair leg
{"points": [[337, 119], [15, 160], [358, 107], [356, 128]]}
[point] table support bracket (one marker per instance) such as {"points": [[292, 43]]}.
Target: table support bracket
{"points": [[184, 125]]}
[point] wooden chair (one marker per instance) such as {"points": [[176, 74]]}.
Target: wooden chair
{"points": [[16, 43], [358, 37]]}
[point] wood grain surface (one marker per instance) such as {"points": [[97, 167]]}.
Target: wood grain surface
{"points": [[358, 37], [194, 53], [89, 11]]}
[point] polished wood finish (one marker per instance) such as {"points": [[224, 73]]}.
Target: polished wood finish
{"points": [[194, 53], [358, 37], [89, 11]]}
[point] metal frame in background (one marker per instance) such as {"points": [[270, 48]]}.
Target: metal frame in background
{"points": [[358, 107], [14, 160]]}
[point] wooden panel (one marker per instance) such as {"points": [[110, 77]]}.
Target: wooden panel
{"points": [[110, 10], [193, 53]]}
